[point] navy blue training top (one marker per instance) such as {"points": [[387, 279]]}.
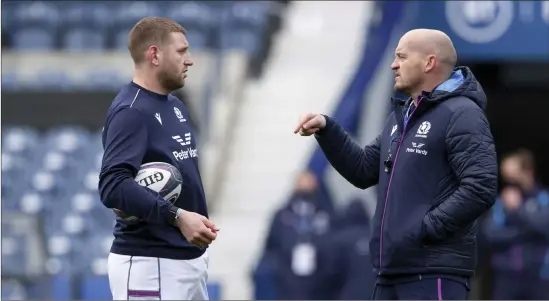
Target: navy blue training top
{"points": [[142, 127]]}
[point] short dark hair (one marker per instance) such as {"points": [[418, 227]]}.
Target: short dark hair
{"points": [[150, 31]]}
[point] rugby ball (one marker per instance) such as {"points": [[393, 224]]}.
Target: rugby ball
{"points": [[160, 177]]}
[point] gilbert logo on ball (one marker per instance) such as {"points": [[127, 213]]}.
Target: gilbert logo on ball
{"points": [[159, 177], [149, 180]]}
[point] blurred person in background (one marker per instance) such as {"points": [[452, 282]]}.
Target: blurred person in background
{"points": [[435, 166], [348, 274], [517, 231], [162, 253], [293, 239]]}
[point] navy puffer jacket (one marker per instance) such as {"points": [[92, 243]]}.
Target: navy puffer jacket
{"points": [[436, 175]]}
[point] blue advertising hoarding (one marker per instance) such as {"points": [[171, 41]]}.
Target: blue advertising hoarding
{"points": [[491, 30]]}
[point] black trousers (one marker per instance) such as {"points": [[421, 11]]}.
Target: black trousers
{"points": [[424, 289]]}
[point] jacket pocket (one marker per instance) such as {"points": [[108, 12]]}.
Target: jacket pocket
{"points": [[413, 229], [402, 238]]}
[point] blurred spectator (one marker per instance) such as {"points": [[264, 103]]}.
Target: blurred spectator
{"points": [[296, 231], [517, 231], [349, 275], [264, 277]]}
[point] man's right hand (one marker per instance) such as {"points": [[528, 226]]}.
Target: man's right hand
{"points": [[309, 124], [511, 197], [196, 228]]}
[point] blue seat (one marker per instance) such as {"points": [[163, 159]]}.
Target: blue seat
{"points": [[104, 80], [90, 181], [191, 12], [86, 14], [20, 142], [58, 284], [87, 24], [33, 203], [13, 255], [33, 26], [125, 15], [53, 219], [75, 225], [68, 170], [51, 79], [85, 202], [59, 163], [60, 265], [88, 205], [99, 247], [244, 23], [36, 13], [102, 218], [61, 220], [197, 18], [65, 254], [71, 141], [84, 39], [13, 289], [129, 12], [121, 38], [49, 185], [198, 40], [16, 168], [33, 39]]}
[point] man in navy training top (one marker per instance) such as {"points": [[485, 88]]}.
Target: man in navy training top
{"points": [[163, 254], [435, 166]]}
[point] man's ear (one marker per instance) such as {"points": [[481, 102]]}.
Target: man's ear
{"points": [[430, 63], [153, 54]]}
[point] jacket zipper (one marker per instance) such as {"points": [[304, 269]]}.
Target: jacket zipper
{"points": [[389, 185]]}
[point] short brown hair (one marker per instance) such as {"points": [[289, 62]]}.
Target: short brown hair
{"points": [[524, 157], [150, 31]]}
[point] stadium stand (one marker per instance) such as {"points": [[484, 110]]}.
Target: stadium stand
{"points": [[256, 63], [51, 175]]}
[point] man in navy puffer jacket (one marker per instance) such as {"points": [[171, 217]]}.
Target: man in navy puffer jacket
{"points": [[435, 166]]}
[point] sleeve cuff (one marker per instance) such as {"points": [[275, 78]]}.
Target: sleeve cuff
{"points": [[171, 216], [330, 122]]}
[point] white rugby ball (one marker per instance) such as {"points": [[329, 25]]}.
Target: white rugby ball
{"points": [[161, 177]]}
